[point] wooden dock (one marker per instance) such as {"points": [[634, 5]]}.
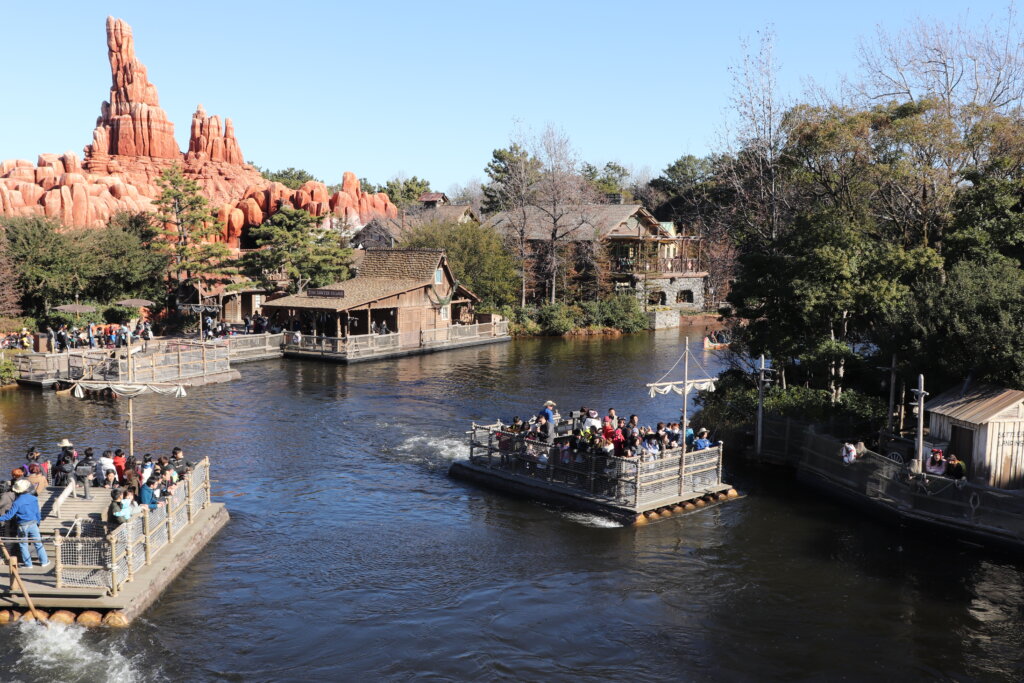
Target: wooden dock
{"points": [[367, 347], [123, 569]]}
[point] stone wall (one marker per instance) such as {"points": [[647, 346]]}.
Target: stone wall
{"points": [[663, 319], [681, 293]]}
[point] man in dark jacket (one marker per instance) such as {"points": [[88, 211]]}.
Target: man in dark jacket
{"points": [[25, 514], [84, 472], [179, 463]]}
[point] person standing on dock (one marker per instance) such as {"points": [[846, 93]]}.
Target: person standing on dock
{"points": [[84, 472], [548, 411], [149, 495], [25, 513]]}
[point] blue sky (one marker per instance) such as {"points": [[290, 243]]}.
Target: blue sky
{"points": [[426, 89]]}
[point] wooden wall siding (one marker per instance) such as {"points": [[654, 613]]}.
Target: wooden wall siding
{"points": [[1005, 443]]}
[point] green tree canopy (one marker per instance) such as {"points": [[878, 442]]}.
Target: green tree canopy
{"points": [[293, 244], [476, 256], [290, 177], [512, 172], [195, 255], [405, 192]]}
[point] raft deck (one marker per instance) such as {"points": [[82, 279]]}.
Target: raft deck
{"points": [[125, 569], [621, 488]]}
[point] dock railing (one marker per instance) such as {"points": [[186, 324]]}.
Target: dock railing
{"points": [[888, 480], [109, 562], [631, 482], [369, 345], [244, 347]]}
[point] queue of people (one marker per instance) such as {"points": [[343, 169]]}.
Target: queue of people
{"points": [[131, 483], [586, 432], [94, 336]]}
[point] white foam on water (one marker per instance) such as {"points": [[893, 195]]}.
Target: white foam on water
{"points": [[61, 652], [434, 448], [592, 520]]}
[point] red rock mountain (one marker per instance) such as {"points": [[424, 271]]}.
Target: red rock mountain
{"points": [[133, 143]]}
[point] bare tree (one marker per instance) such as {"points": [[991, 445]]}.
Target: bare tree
{"points": [[959, 66], [560, 197], [755, 174]]}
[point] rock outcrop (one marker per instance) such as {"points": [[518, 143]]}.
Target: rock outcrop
{"points": [[133, 143]]}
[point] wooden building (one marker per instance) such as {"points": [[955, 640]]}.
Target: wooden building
{"points": [[400, 290], [644, 256], [984, 426]]}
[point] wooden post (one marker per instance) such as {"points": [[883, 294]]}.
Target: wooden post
{"points": [[128, 558], [206, 484], [188, 495], [682, 459], [145, 532], [58, 565], [113, 564]]}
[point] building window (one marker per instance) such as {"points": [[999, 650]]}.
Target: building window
{"points": [[684, 296], [438, 276], [444, 313]]}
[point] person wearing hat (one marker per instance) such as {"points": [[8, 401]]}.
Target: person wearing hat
{"points": [[67, 448], [548, 412], [702, 441], [25, 514]]}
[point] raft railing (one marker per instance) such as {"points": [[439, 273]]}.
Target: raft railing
{"points": [[876, 477], [628, 481], [111, 561], [368, 345]]}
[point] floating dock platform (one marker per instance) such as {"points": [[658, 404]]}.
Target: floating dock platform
{"points": [[111, 575], [628, 490]]}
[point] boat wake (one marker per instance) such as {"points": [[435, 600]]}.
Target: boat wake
{"points": [[64, 653], [591, 520], [433, 449]]}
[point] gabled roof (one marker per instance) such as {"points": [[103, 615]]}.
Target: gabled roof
{"points": [[977, 404], [585, 222], [410, 264], [382, 273], [433, 197]]}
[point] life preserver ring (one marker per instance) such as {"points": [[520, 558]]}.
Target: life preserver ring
{"points": [[975, 501]]}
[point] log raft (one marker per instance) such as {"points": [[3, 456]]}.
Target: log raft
{"points": [[103, 576]]}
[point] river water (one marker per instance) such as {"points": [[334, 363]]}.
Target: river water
{"points": [[351, 555]]}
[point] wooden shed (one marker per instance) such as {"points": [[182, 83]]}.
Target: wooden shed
{"points": [[404, 290], [984, 426]]}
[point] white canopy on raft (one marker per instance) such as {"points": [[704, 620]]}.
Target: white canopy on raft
{"points": [[682, 388], [129, 390]]}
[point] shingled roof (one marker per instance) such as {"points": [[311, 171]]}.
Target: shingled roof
{"points": [[586, 222], [382, 273], [410, 264]]}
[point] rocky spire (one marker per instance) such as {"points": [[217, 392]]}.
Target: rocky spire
{"points": [[131, 123], [206, 141]]}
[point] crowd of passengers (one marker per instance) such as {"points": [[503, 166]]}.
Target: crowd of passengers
{"points": [[131, 485], [586, 432]]}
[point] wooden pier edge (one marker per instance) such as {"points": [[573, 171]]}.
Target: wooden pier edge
{"points": [[542, 491], [149, 583]]}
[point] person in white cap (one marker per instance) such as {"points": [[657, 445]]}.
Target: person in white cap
{"points": [[25, 513], [548, 412]]}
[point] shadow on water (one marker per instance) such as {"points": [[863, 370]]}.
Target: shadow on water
{"points": [[350, 552]]}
